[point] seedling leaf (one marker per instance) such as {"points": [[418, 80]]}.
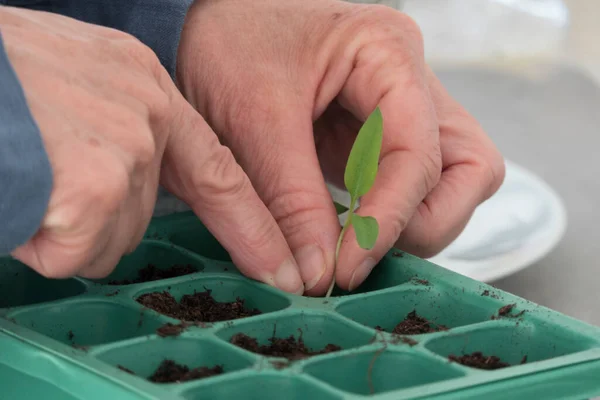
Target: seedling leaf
{"points": [[366, 229], [363, 161], [340, 208], [359, 177]]}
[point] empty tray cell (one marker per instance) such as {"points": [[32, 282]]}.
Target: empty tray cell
{"points": [[177, 360], [152, 261], [263, 387], [414, 311], [375, 372], [21, 286], [88, 323], [195, 237], [503, 346], [388, 273], [212, 299], [296, 336]]}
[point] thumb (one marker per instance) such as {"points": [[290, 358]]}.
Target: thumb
{"points": [[204, 174]]}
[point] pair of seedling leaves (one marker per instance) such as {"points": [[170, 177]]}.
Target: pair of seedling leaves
{"points": [[359, 177]]}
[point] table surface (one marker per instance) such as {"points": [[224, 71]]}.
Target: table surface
{"points": [[550, 126], [546, 117]]}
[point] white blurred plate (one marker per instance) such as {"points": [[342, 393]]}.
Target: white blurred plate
{"points": [[515, 228]]}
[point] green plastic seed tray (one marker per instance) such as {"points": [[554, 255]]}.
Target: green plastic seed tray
{"points": [[176, 320]]}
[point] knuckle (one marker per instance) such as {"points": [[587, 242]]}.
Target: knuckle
{"points": [[431, 160], [260, 235], [144, 56], [139, 51], [95, 191], [390, 22], [159, 104], [112, 34], [495, 171], [295, 208], [220, 176], [397, 224], [137, 139], [411, 30], [108, 187], [144, 149]]}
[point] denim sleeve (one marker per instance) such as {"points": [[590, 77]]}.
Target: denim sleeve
{"points": [[25, 171], [156, 23]]}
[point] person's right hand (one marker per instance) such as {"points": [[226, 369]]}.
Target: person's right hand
{"points": [[114, 125]]}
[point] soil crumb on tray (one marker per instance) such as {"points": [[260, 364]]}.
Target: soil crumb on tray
{"points": [[169, 371], [200, 307], [122, 368], [152, 273], [290, 347], [405, 340], [506, 311], [419, 281], [170, 329], [414, 324], [487, 293], [480, 361]]}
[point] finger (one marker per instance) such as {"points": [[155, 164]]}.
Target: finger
{"points": [[473, 170], [204, 174], [289, 180], [116, 242], [410, 163], [141, 207], [127, 231], [55, 253], [78, 223]]}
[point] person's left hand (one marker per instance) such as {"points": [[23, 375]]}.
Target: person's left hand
{"points": [[286, 84]]}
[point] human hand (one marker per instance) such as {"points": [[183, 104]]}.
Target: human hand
{"points": [[286, 85], [109, 116]]}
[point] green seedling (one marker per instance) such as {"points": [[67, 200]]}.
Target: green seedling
{"points": [[359, 177]]}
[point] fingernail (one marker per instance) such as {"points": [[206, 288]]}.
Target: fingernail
{"points": [[288, 279], [361, 273], [312, 265]]}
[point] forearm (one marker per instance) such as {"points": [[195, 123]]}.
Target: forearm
{"points": [[25, 171]]}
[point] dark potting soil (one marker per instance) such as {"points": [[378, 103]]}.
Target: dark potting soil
{"points": [[290, 347], [152, 273], [414, 324], [169, 371], [200, 307], [480, 361]]}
